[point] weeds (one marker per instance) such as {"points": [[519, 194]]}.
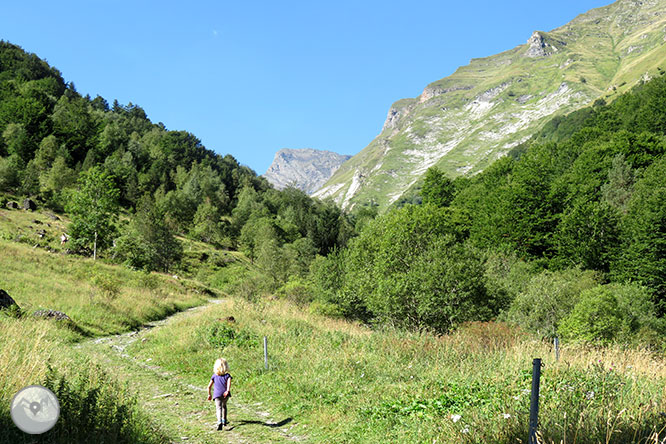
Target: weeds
{"points": [[93, 408]]}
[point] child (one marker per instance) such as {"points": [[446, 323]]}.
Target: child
{"points": [[221, 384]]}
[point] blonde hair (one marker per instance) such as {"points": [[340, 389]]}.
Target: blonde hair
{"points": [[221, 367]]}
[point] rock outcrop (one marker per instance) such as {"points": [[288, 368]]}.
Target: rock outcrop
{"points": [[51, 314], [6, 301], [29, 204]]}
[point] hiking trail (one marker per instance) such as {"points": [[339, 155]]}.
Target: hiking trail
{"points": [[179, 408]]}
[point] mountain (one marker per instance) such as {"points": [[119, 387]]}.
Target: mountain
{"points": [[307, 169], [464, 122]]}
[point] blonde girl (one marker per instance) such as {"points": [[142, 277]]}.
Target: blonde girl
{"points": [[220, 382]]}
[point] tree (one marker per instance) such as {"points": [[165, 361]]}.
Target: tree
{"points": [[298, 255], [410, 268], [437, 188], [16, 140], [10, 167], [617, 191], [94, 208], [643, 253], [73, 125], [55, 180], [588, 235], [206, 224], [255, 232], [147, 242]]}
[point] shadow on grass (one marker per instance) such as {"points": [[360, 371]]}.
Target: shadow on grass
{"points": [[265, 424]]}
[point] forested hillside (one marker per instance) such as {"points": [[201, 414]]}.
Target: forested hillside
{"points": [[131, 185], [565, 236]]}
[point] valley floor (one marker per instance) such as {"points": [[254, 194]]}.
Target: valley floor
{"points": [[178, 407]]}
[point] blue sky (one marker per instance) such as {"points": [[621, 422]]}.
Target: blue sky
{"points": [[251, 77]]}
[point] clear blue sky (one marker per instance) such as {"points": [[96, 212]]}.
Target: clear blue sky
{"points": [[251, 77]]}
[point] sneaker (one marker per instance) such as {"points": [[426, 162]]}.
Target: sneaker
{"points": [[220, 425]]}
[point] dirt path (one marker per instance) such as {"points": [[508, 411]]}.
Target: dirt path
{"points": [[180, 408]]}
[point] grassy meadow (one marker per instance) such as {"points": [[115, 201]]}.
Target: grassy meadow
{"points": [[100, 299], [343, 382], [330, 380]]}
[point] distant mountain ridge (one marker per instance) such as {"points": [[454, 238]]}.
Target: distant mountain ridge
{"points": [[464, 122], [306, 169]]}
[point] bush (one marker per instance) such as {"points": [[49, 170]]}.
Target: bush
{"points": [[506, 276], [548, 298], [106, 284], [409, 268], [442, 287], [298, 291], [327, 275], [144, 248], [220, 336], [237, 280], [607, 313], [10, 168], [93, 408]]}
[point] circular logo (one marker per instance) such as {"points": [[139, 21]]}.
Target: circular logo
{"points": [[35, 409]]}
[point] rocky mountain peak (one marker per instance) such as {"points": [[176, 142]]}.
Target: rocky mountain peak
{"points": [[306, 169], [536, 45], [541, 44]]}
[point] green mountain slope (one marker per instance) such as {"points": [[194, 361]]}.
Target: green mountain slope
{"points": [[464, 122]]}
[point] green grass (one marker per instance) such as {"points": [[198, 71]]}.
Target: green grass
{"points": [[93, 406], [346, 383], [100, 299], [25, 227]]}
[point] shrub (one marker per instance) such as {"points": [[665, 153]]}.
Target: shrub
{"points": [[93, 408], [297, 290], [506, 276], [220, 336], [411, 268], [9, 172], [147, 242], [607, 313], [106, 284], [328, 275], [548, 298]]}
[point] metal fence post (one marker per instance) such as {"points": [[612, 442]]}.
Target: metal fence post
{"points": [[265, 353], [534, 401], [557, 348]]}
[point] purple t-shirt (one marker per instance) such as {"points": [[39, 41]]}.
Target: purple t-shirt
{"points": [[219, 384]]}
